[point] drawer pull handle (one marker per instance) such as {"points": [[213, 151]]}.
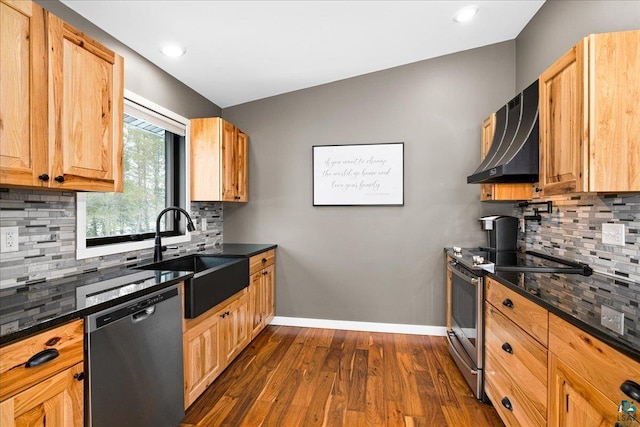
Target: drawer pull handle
{"points": [[43, 357], [507, 403], [507, 347], [507, 303], [631, 389]]}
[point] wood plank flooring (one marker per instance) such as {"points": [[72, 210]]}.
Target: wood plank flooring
{"points": [[290, 377]]}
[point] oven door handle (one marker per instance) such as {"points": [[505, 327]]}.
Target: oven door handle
{"points": [[471, 280], [472, 371]]}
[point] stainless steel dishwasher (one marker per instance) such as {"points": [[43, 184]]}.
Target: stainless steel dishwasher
{"points": [[135, 373]]}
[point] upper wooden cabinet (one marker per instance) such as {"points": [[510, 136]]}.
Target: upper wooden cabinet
{"points": [[61, 110], [590, 117], [498, 192], [219, 161]]}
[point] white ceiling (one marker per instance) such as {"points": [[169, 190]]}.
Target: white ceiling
{"points": [[240, 51]]}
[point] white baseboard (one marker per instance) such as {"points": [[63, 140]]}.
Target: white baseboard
{"points": [[348, 325]]}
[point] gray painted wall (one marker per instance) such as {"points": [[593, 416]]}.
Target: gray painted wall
{"points": [[376, 264], [141, 76], [559, 25]]}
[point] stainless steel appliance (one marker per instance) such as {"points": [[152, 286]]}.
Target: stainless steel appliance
{"points": [[466, 293], [135, 371]]}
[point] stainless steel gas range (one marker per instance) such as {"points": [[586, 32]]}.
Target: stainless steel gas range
{"points": [[465, 299]]}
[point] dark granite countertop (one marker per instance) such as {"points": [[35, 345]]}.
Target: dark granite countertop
{"points": [[48, 303], [578, 300]]}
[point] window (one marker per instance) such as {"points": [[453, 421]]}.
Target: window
{"points": [[155, 171]]}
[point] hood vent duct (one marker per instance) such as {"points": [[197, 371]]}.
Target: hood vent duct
{"points": [[513, 155]]}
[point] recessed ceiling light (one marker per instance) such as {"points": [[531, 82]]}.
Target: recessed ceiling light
{"points": [[466, 14], [173, 50]]}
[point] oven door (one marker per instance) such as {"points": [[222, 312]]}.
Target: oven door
{"points": [[465, 336]]}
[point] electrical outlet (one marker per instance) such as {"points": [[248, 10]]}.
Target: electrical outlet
{"points": [[9, 327], [612, 319], [613, 234], [8, 239], [204, 224]]}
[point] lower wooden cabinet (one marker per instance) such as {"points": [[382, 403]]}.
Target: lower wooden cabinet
{"points": [[235, 327], [211, 341], [585, 376], [202, 356], [515, 356], [262, 289], [50, 394], [57, 401], [214, 339]]}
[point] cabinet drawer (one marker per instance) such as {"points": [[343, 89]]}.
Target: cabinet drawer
{"points": [[503, 391], [521, 311], [262, 260], [517, 355], [68, 339], [599, 364]]}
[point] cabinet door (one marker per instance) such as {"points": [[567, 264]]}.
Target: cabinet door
{"points": [[86, 111], [242, 167], [256, 309], [575, 402], [488, 129], [269, 280], [561, 100], [202, 357], [236, 328], [614, 112], [23, 89], [55, 402], [229, 155]]}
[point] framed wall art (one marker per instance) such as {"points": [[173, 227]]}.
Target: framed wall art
{"points": [[358, 174]]}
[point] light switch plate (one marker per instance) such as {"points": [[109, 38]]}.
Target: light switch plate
{"points": [[612, 319], [613, 234]]}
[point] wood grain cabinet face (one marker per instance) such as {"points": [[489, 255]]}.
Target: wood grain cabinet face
{"points": [[515, 356], [61, 116], [590, 117], [51, 394], [23, 84], [262, 290], [504, 191], [585, 375], [219, 161], [202, 357], [86, 111], [211, 341]]}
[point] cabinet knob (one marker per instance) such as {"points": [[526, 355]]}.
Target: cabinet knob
{"points": [[59, 178], [79, 376], [507, 348], [507, 403], [507, 303], [264, 260], [538, 189], [631, 389], [44, 177]]}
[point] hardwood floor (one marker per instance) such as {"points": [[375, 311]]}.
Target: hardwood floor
{"points": [[291, 377]]}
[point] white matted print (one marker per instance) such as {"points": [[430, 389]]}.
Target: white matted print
{"points": [[358, 174]]}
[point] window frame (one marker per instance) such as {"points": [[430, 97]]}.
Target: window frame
{"points": [[169, 238]]}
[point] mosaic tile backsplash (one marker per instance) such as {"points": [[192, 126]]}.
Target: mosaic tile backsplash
{"points": [[574, 231], [46, 222]]}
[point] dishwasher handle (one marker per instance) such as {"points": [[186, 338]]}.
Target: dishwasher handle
{"points": [[143, 314]]}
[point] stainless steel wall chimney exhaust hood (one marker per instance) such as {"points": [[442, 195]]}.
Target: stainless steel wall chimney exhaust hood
{"points": [[513, 156]]}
